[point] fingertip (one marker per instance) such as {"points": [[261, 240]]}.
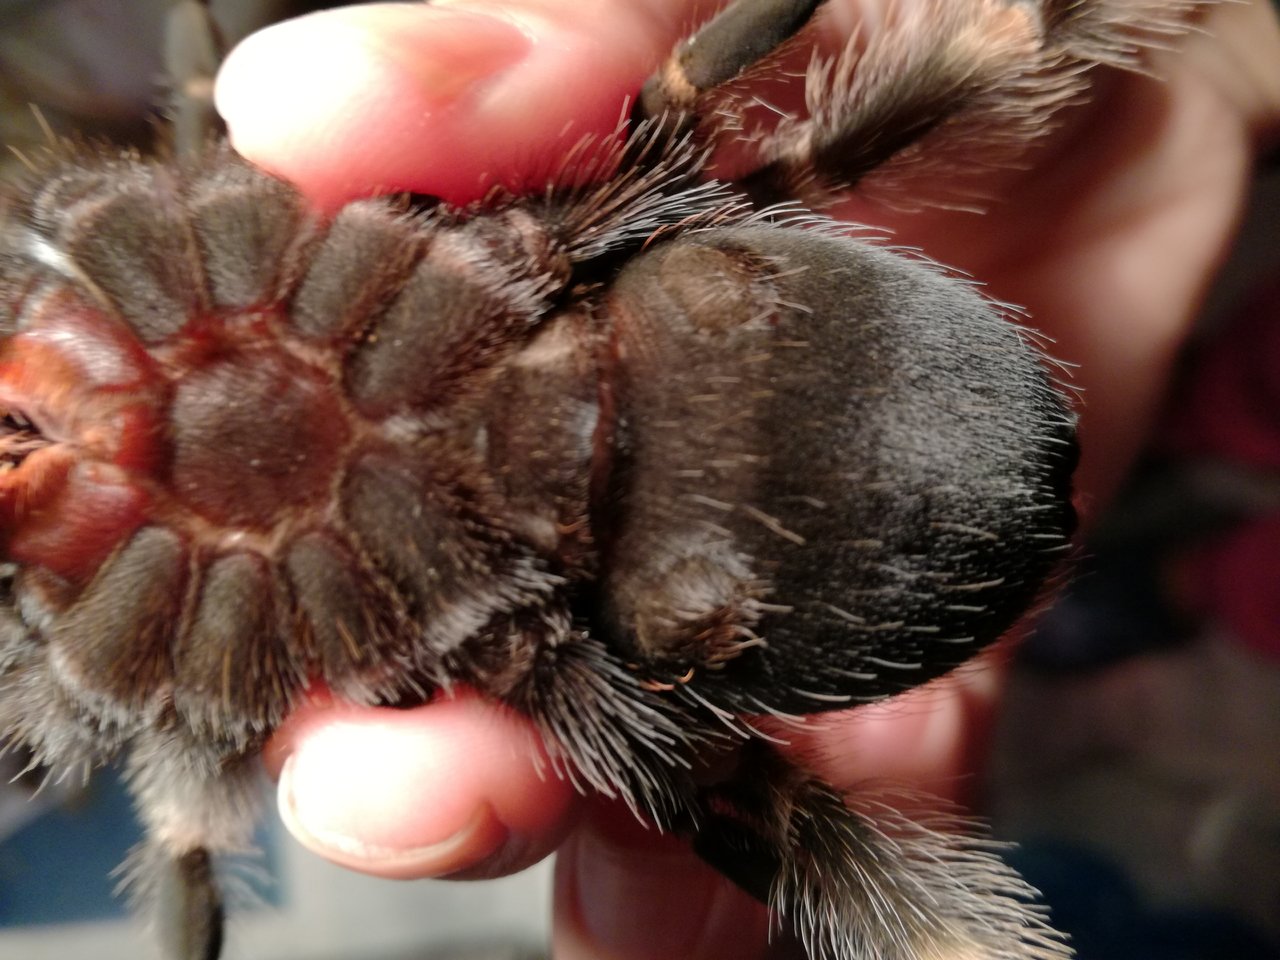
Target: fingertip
{"points": [[357, 100], [455, 788], [444, 100]]}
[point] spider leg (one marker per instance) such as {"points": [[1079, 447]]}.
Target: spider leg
{"points": [[946, 85], [195, 801], [189, 908], [603, 728], [742, 35], [193, 51], [857, 880]]}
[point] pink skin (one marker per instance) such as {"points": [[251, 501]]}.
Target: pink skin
{"points": [[1109, 241]]}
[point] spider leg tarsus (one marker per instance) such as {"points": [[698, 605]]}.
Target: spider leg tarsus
{"points": [[189, 913], [738, 37], [193, 51]]}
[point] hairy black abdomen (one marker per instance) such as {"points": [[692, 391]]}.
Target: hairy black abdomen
{"points": [[844, 471]]}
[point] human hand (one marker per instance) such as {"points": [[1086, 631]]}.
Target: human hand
{"points": [[1108, 239]]}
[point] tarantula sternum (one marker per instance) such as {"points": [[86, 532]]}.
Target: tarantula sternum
{"points": [[630, 456]]}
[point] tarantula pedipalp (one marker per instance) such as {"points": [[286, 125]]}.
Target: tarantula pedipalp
{"points": [[630, 456]]}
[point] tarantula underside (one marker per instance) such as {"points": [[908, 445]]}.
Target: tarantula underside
{"points": [[633, 456]]}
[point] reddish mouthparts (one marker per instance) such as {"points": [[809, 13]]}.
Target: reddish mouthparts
{"points": [[82, 406]]}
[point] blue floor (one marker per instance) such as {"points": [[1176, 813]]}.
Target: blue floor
{"points": [[58, 868]]}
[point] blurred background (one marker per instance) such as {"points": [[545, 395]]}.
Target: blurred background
{"points": [[1138, 759], [1138, 756]]}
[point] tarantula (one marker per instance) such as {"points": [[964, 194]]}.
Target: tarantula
{"points": [[641, 456]]}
